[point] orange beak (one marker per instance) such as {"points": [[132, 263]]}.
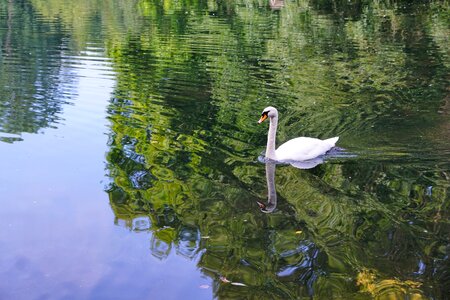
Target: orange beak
{"points": [[263, 117]]}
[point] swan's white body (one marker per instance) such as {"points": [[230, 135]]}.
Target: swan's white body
{"points": [[298, 149], [303, 148]]}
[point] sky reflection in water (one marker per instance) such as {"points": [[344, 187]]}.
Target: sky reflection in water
{"points": [[129, 150]]}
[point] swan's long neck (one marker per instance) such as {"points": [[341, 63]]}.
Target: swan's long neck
{"points": [[271, 137]]}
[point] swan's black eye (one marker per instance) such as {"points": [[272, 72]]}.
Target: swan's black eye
{"points": [[265, 113]]}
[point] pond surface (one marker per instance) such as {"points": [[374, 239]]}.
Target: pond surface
{"points": [[129, 149]]}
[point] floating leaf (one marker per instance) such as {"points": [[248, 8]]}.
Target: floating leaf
{"points": [[238, 284], [224, 279]]}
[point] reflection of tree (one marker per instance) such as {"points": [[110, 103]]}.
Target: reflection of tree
{"points": [[367, 66], [31, 76], [193, 179], [182, 140]]}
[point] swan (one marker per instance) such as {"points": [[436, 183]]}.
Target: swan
{"points": [[295, 150]]}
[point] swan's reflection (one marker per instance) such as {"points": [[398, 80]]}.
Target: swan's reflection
{"points": [[308, 164], [271, 190], [270, 177]]}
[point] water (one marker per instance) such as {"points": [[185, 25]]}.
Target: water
{"points": [[129, 148]]}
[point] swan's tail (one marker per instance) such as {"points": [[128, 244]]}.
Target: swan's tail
{"points": [[332, 141]]}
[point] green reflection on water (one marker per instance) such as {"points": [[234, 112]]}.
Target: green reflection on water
{"points": [[183, 145], [192, 77], [32, 89]]}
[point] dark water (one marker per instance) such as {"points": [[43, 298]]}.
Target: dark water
{"points": [[129, 150]]}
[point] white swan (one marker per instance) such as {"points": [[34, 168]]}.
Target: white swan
{"points": [[295, 150]]}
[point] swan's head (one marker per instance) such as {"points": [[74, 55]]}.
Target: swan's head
{"points": [[268, 112]]}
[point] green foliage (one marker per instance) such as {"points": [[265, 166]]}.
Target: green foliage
{"points": [[188, 95], [192, 78], [30, 99]]}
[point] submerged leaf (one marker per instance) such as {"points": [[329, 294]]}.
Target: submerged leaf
{"points": [[224, 279], [238, 284]]}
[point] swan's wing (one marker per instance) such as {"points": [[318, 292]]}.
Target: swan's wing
{"points": [[303, 148], [332, 141]]}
